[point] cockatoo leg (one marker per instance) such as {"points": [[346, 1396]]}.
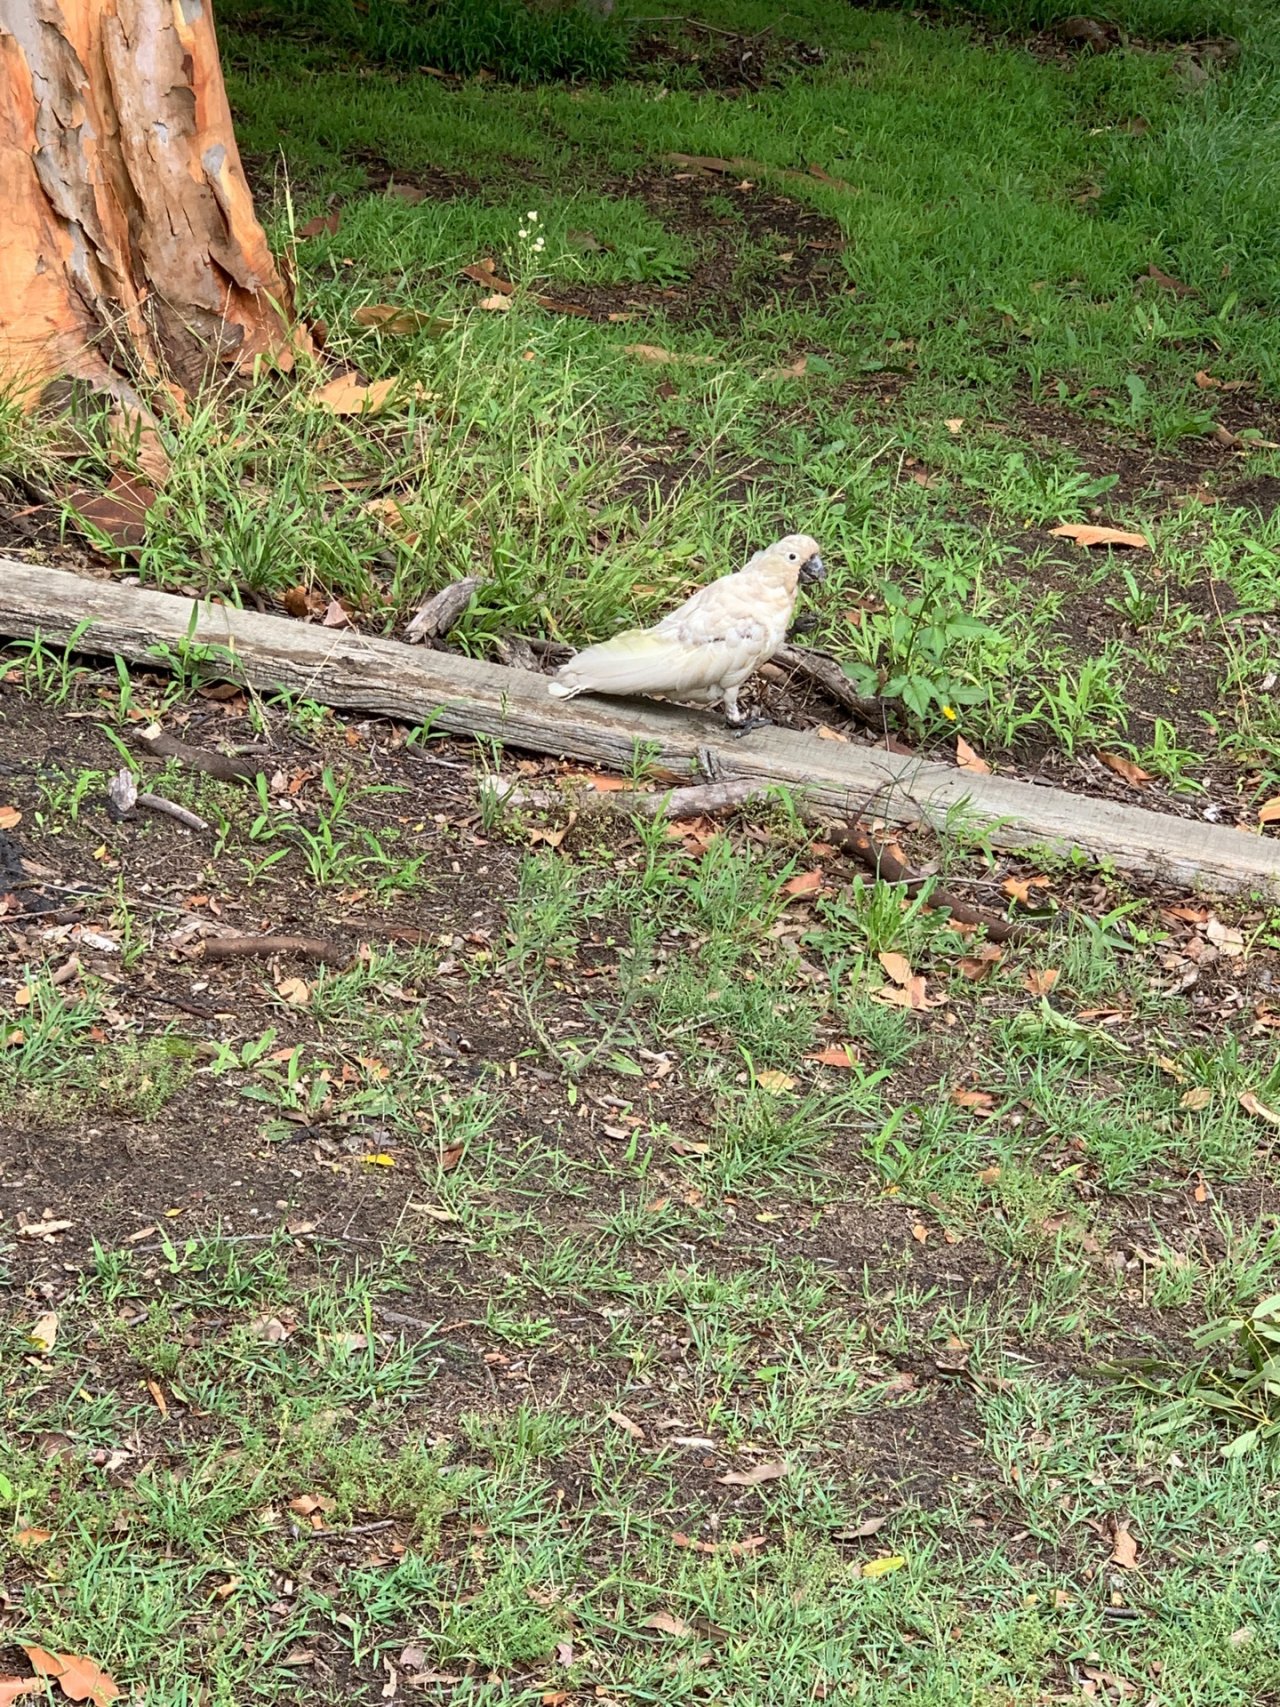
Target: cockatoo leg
{"points": [[733, 716]]}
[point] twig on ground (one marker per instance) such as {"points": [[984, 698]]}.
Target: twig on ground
{"points": [[828, 675], [123, 801], [352, 1529], [261, 947], [243, 768], [889, 868], [170, 809]]}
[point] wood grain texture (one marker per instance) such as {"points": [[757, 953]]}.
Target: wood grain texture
{"points": [[465, 696]]}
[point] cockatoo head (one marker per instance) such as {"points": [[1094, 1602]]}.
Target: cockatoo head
{"points": [[803, 552]]}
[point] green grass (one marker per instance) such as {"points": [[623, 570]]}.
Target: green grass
{"points": [[743, 1267], [496, 1246], [1001, 217]]}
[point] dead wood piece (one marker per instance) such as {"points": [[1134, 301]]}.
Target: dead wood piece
{"points": [[370, 676], [828, 675], [704, 800], [442, 610], [890, 869], [515, 653], [170, 809], [161, 745], [262, 947]]}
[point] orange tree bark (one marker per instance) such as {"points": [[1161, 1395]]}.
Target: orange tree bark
{"points": [[130, 254]]}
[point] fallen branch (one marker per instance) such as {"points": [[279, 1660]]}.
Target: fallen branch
{"points": [[123, 800], [261, 947], [888, 868], [171, 809], [161, 745], [468, 696], [703, 800], [434, 620], [828, 675]]}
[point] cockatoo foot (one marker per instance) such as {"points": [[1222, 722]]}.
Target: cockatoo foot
{"points": [[738, 730]]}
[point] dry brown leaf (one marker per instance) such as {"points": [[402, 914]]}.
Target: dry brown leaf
{"points": [[349, 394], [11, 1688], [1207, 382], [981, 1100], [1198, 1097], [793, 370], [496, 303], [323, 223], [773, 1080], [955, 424], [1088, 536], [399, 322], [769, 1470], [863, 1531], [833, 1058], [1125, 769], [1124, 1551], [388, 514], [1019, 888], [1040, 981], [1227, 939], [32, 1537], [44, 1330], [1268, 812], [668, 1624], [1249, 1102], [120, 511], [158, 1398], [1166, 281], [625, 1423], [295, 991], [920, 1233], [968, 760], [79, 1679], [656, 353], [10, 817], [983, 963], [802, 884], [988, 1176], [897, 966]]}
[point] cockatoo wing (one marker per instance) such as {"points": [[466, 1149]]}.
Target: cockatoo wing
{"points": [[658, 660]]}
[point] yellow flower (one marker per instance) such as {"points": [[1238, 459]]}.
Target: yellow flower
{"points": [[949, 712]]}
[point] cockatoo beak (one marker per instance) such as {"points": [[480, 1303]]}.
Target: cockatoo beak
{"points": [[813, 569]]}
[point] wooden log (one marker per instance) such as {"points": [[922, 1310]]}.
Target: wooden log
{"points": [[467, 696]]}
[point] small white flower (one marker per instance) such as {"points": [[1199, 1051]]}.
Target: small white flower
{"points": [[539, 245], [522, 232], [532, 218]]}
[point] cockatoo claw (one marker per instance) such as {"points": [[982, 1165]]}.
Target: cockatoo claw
{"points": [[738, 730]]}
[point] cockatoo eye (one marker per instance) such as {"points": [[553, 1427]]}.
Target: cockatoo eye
{"points": [[791, 557]]}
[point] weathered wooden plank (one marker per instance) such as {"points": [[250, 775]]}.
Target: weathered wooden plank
{"points": [[466, 696]]}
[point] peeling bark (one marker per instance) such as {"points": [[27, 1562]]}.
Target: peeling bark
{"points": [[130, 255]]}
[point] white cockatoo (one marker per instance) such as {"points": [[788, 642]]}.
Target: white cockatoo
{"points": [[703, 652]]}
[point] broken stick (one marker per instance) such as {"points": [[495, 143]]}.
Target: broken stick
{"points": [[161, 745], [888, 868], [261, 947]]}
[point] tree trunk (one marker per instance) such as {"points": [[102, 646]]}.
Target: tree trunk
{"points": [[130, 256]]}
